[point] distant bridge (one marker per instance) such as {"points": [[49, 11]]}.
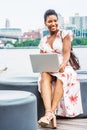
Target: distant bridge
{"points": [[10, 37], [18, 38]]}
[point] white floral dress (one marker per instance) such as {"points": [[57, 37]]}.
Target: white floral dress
{"points": [[70, 105]]}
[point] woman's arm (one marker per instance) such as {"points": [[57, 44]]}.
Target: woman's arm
{"points": [[66, 52]]}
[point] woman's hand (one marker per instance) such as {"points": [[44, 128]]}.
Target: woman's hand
{"points": [[61, 68]]}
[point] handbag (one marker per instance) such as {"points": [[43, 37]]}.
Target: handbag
{"points": [[74, 61]]}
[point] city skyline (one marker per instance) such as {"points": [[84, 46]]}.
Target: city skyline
{"points": [[28, 14]]}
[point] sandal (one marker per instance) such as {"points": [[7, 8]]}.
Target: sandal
{"points": [[45, 120]]}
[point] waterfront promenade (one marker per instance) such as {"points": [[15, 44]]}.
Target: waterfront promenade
{"points": [[18, 63], [69, 124]]}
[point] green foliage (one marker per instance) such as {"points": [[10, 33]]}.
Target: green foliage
{"points": [[79, 41], [27, 43]]}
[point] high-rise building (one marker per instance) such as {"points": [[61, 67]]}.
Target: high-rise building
{"points": [[79, 21], [7, 23]]}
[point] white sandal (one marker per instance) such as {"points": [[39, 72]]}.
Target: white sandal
{"points": [[45, 120]]}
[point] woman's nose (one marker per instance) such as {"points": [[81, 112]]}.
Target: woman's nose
{"points": [[53, 23]]}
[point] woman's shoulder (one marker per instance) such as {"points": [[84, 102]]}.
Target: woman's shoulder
{"points": [[44, 38], [64, 33]]}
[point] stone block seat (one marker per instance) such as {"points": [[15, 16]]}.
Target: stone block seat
{"points": [[18, 110], [83, 87], [84, 97], [24, 83], [30, 84]]}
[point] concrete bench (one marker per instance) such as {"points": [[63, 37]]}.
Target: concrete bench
{"points": [[83, 87], [30, 84], [24, 84], [18, 110]]}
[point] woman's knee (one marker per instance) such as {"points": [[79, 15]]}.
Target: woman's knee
{"points": [[45, 77]]}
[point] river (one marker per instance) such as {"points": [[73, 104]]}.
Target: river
{"points": [[18, 62]]}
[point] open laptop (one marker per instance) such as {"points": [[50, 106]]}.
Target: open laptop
{"points": [[44, 62]]}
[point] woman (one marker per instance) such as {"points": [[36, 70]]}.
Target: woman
{"points": [[60, 91]]}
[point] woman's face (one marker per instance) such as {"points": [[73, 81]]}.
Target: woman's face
{"points": [[52, 23]]}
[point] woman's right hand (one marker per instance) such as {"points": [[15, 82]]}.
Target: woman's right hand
{"points": [[61, 68]]}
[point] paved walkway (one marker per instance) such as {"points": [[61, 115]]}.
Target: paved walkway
{"points": [[69, 124]]}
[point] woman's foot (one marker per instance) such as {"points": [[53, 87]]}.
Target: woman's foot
{"points": [[45, 120]]}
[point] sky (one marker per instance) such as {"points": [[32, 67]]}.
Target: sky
{"points": [[28, 14]]}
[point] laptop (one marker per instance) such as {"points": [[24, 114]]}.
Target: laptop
{"points": [[44, 62]]}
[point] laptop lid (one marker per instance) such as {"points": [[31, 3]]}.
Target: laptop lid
{"points": [[44, 62]]}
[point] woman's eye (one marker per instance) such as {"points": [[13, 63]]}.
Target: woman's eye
{"points": [[52, 21], [49, 21]]}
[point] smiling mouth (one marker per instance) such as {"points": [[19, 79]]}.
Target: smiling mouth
{"points": [[53, 28]]}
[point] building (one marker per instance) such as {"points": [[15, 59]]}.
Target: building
{"points": [[79, 21], [7, 23], [10, 34], [13, 32], [31, 35], [78, 24]]}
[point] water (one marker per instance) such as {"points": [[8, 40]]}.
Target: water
{"points": [[18, 62]]}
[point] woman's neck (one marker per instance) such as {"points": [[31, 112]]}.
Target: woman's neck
{"points": [[54, 33]]}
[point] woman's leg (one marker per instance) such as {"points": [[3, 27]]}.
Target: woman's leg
{"points": [[46, 93], [57, 95], [46, 90]]}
